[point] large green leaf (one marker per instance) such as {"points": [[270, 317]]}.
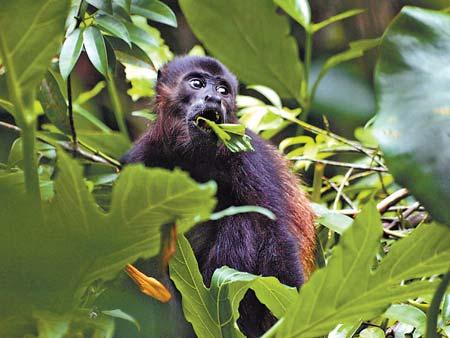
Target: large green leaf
{"points": [[251, 39], [30, 33], [50, 257], [299, 10], [348, 290], [213, 311], [412, 86]]}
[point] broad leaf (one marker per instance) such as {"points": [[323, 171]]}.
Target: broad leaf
{"points": [[140, 37], [29, 41], [74, 243], [104, 5], [96, 49], [407, 314], [412, 80], [70, 52], [213, 311], [134, 55], [154, 10], [53, 103], [299, 10], [114, 26], [251, 39], [348, 290]]}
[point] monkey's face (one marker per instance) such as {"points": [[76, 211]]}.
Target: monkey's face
{"points": [[210, 97], [189, 88]]}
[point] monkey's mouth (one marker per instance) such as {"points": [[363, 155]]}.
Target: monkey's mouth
{"points": [[208, 114]]}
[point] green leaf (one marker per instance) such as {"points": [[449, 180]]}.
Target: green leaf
{"points": [[140, 37], [348, 290], [412, 80], [96, 49], [90, 94], [134, 55], [299, 10], [407, 314], [269, 94], [111, 25], [117, 313], [104, 5], [53, 103], [213, 311], [70, 52], [75, 243], [231, 135], [145, 113], [113, 143], [259, 51], [332, 220], [347, 14], [154, 10]]}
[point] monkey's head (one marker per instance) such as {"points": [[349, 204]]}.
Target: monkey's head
{"points": [[189, 87]]}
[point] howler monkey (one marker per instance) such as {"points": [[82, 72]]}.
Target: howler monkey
{"points": [[192, 86]]}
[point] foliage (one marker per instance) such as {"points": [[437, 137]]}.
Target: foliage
{"points": [[70, 225], [418, 163]]}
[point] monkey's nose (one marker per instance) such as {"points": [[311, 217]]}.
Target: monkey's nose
{"points": [[213, 99]]}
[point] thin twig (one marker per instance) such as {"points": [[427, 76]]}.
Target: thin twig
{"points": [[404, 215], [341, 188], [341, 164], [343, 195], [70, 112], [392, 199], [95, 156]]}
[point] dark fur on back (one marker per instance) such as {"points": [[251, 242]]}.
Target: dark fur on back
{"points": [[248, 242]]}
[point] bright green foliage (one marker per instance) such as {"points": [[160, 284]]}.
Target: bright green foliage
{"points": [[253, 41], [213, 311], [347, 290], [299, 10], [407, 314], [113, 26], [413, 123], [72, 243], [231, 135]]}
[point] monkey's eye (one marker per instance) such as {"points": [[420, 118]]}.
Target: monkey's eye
{"points": [[196, 83], [222, 90]]}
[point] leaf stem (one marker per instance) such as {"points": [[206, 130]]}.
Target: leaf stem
{"points": [[319, 169], [27, 121], [117, 105], [70, 112]]}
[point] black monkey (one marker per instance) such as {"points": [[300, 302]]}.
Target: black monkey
{"points": [[193, 86]]}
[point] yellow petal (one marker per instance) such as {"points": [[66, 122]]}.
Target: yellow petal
{"points": [[149, 285]]}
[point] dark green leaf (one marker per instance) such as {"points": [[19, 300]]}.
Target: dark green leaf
{"points": [[111, 25], [154, 10], [134, 55], [331, 219], [96, 49], [412, 80], [70, 52], [113, 143], [104, 5], [298, 9], [251, 39], [53, 103], [111, 55]]}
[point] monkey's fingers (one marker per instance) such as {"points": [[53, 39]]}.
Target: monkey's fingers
{"points": [[149, 285], [171, 247]]}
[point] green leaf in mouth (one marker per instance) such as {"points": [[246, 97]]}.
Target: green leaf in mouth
{"points": [[231, 135]]}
